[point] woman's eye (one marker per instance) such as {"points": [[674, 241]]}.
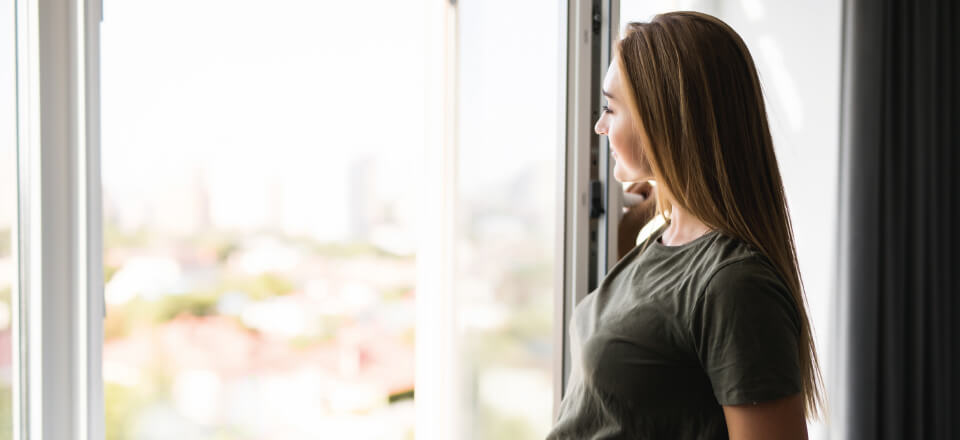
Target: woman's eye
{"points": [[606, 109]]}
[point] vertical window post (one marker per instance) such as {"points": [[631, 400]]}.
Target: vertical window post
{"points": [[588, 242], [437, 378], [59, 393]]}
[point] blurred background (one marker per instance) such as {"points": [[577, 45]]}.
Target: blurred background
{"points": [[261, 172]]}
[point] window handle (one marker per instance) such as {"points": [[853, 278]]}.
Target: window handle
{"points": [[596, 199]]}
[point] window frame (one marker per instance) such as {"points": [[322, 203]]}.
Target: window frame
{"points": [[589, 246], [58, 386]]}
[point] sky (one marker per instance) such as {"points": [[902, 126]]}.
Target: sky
{"points": [[258, 98], [289, 96]]}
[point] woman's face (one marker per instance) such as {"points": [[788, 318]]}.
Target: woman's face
{"points": [[626, 139]]}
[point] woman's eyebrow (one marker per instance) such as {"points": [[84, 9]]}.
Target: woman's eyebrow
{"points": [[607, 94]]}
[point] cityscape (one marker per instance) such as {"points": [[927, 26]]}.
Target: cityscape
{"points": [[266, 333]]}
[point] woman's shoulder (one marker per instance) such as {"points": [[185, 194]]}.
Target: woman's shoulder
{"points": [[726, 248], [724, 259], [740, 269]]}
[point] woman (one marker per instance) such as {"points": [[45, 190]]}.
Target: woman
{"points": [[700, 331]]}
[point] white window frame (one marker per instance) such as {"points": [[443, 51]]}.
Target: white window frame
{"points": [[437, 378], [587, 55], [58, 386]]}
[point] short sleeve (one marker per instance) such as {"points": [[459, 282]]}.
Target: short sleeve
{"points": [[746, 331]]}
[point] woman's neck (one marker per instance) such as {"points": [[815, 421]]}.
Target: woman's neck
{"points": [[684, 227]]}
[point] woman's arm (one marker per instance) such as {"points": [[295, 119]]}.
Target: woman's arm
{"points": [[775, 419]]}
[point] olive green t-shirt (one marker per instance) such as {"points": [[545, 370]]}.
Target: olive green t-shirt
{"points": [[674, 332]]}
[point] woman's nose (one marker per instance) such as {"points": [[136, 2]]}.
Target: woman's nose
{"points": [[598, 128]]}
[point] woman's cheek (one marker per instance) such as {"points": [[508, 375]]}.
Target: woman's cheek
{"points": [[616, 140]]}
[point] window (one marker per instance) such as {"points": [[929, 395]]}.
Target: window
{"points": [[257, 217]]}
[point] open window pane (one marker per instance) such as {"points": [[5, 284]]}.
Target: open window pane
{"points": [[509, 137]]}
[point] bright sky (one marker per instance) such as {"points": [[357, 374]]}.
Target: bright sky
{"points": [[283, 93], [294, 91]]}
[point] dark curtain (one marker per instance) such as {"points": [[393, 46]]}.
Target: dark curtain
{"points": [[899, 274]]}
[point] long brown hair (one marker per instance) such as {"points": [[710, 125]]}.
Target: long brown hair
{"points": [[693, 85]]}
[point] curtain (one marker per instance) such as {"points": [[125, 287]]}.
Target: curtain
{"points": [[898, 314]]}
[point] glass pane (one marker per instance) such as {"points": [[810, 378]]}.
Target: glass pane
{"points": [[8, 208], [510, 97], [258, 168]]}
